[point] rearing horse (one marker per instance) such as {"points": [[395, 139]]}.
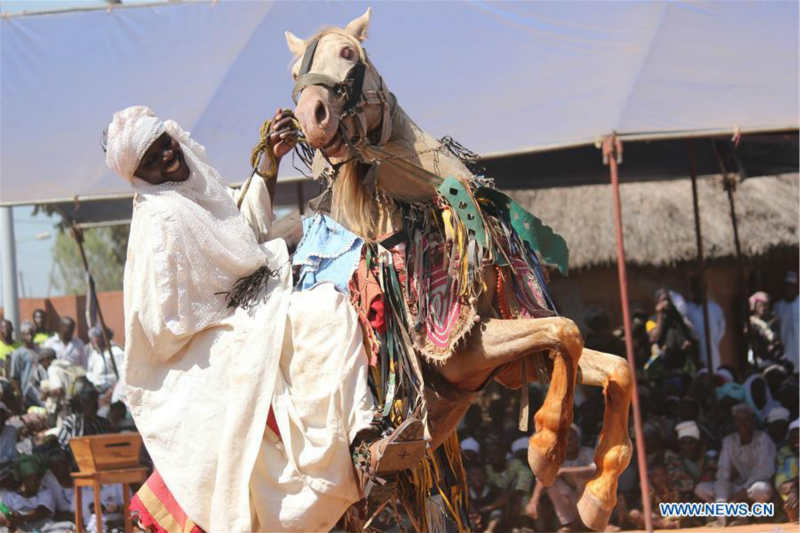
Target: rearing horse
{"points": [[348, 115]]}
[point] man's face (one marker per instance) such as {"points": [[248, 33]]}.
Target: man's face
{"points": [[66, 330], [6, 331], [689, 448], [27, 337], [761, 308], [163, 161], [98, 343], [744, 425], [45, 362], [30, 484], [777, 430], [38, 319]]}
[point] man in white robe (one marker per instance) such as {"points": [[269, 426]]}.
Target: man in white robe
{"points": [[201, 375]]}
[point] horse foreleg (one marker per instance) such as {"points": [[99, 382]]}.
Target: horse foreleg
{"points": [[497, 342], [613, 451]]}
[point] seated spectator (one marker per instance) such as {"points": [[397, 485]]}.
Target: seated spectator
{"points": [[8, 436], [746, 461], [25, 372], [599, 335], [101, 370], [41, 334], [471, 449], [674, 338], [688, 473], [660, 492], [84, 419], [778, 424], [59, 481], [119, 421], [763, 336], [59, 387], [758, 397], [67, 346], [511, 479], [31, 507], [481, 496], [578, 467], [7, 344], [775, 375], [786, 471]]}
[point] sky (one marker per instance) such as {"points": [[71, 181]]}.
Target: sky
{"points": [[642, 67], [35, 235]]}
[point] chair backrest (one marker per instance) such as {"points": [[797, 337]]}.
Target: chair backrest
{"points": [[97, 453]]}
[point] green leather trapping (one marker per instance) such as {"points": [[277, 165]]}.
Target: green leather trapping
{"points": [[456, 194], [541, 238]]}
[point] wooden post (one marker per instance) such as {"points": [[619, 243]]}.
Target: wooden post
{"points": [[701, 265]]}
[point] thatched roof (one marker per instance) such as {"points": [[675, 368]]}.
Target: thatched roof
{"points": [[658, 219]]}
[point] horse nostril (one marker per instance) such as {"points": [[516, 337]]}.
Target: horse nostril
{"points": [[320, 113]]}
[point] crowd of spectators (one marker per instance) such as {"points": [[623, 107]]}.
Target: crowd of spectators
{"points": [[53, 388], [718, 435]]}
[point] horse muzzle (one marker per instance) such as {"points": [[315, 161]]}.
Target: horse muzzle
{"points": [[318, 113]]}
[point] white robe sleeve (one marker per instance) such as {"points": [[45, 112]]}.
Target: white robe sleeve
{"points": [[256, 206]]}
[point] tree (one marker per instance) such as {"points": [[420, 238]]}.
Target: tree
{"points": [[105, 252]]}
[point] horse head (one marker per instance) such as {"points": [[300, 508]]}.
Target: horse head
{"points": [[341, 98]]}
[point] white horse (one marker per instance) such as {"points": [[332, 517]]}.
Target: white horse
{"points": [[348, 115]]}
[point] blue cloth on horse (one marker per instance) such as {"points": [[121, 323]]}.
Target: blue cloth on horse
{"points": [[328, 252]]}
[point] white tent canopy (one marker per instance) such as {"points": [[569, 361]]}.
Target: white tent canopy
{"points": [[497, 77]]}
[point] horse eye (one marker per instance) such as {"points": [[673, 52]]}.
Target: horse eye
{"points": [[346, 53]]}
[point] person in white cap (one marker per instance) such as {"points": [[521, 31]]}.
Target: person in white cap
{"points": [[746, 461], [688, 472], [577, 468], [216, 340], [471, 450], [786, 473], [778, 424], [786, 309]]}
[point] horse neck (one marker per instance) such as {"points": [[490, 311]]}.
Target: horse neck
{"points": [[411, 143]]}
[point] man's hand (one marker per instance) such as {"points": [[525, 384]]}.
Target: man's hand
{"points": [[282, 133]]}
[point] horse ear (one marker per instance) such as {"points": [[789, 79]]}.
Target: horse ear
{"points": [[358, 26], [296, 45]]}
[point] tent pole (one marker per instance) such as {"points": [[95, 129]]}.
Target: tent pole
{"points": [[9, 253], [729, 184], [701, 264], [612, 156]]}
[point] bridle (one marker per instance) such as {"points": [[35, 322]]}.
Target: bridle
{"points": [[351, 88]]}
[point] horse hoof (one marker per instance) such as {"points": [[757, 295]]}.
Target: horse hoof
{"points": [[592, 511], [544, 468]]}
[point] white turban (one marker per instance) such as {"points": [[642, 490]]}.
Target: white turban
{"points": [[795, 424], [688, 429], [130, 134], [778, 413], [471, 445]]}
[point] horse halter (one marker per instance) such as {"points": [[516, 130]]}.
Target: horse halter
{"points": [[351, 88]]}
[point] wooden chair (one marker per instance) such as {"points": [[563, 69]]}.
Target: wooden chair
{"points": [[106, 460]]}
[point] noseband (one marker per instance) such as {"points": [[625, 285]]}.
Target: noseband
{"points": [[351, 88]]}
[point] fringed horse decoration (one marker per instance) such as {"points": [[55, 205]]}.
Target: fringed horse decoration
{"points": [[448, 283]]}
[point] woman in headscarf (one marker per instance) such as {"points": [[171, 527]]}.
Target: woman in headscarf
{"points": [[215, 341]]}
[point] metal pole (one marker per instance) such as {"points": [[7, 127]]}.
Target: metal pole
{"points": [[9, 253], [612, 156], [701, 264]]}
